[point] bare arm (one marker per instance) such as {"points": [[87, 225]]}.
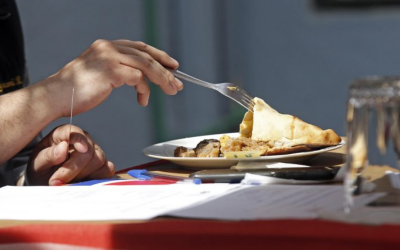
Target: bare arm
{"points": [[105, 65], [23, 114]]}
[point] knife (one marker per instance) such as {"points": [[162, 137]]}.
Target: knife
{"points": [[235, 176]]}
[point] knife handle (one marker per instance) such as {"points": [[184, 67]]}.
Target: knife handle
{"points": [[235, 176]]}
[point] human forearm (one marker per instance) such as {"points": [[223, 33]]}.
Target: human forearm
{"points": [[23, 114]]}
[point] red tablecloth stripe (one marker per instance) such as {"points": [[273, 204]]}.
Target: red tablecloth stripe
{"points": [[200, 234]]}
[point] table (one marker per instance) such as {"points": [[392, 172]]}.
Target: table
{"points": [[175, 233], [200, 234]]}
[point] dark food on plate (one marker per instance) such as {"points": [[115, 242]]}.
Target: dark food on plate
{"points": [[184, 152], [205, 148], [208, 148]]}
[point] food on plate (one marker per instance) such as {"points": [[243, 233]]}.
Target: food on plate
{"points": [[268, 132], [205, 148], [229, 144], [184, 152], [208, 148]]}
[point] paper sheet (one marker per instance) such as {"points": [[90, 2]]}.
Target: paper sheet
{"points": [[103, 202], [275, 202], [217, 201]]}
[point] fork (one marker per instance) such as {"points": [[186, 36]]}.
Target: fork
{"points": [[227, 89]]}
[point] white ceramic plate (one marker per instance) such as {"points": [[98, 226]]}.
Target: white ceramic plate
{"points": [[165, 151]]}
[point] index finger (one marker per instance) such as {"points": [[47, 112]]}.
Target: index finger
{"points": [[71, 168], [159, 55], [75, 135]]}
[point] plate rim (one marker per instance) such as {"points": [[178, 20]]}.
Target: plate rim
{"points": [[271, 157]]}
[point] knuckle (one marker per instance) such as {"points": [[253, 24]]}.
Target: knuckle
{"points": [[150, 59], [87, 136], [146, 62], [164, 55], [103, 56], [60, 130], [101, 44], [112, 170], [147, 57], [170, 76], [142, 45], [76, 129], [117, 81], [97, 43], [138, 75], [100, 156]]}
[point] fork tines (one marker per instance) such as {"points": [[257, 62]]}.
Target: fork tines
{"points": [[249, 102], [247, 99]]}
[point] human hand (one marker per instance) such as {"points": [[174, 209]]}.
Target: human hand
{"points": [[106, 65], [49, 163]]}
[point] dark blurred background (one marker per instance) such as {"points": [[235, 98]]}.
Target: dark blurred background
{"points": [[299, 56]]}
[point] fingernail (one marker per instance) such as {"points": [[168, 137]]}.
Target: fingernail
{"points": [[81, 145], [175, 61], [179, 84], [56, 182]]}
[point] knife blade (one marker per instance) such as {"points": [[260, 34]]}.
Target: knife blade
{"points": [[235, 176]]}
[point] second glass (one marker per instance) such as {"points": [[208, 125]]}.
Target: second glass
{"points": [[373, 133]]}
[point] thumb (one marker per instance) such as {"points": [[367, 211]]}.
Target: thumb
{"points": [[51, 156]]}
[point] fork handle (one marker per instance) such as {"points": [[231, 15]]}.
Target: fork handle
{"points": [[192, 79]]}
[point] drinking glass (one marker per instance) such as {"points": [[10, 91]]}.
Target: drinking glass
{"points": [[373, 132]]}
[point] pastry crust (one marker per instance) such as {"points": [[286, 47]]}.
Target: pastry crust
{"points": [[284, 131]]}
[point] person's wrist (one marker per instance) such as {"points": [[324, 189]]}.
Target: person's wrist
{"points": [[58, 95], [41, 105]]}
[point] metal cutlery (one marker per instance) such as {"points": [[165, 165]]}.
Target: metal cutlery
{"points": [[227, 89]]}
